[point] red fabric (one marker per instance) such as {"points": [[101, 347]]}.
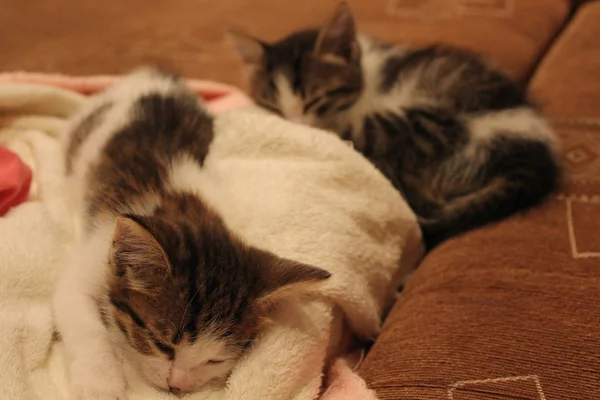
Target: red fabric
{"points": [[15, 180]]}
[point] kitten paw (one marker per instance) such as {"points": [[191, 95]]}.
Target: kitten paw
{"points": [[99, 380]]}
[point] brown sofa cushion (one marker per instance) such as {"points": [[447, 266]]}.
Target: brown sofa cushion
{"points": [[514, 33], [511, 311], [113, 36], [568, 84]]}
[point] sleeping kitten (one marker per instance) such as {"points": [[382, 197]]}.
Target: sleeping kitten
{"points": [[156, 277], [458, 138]]}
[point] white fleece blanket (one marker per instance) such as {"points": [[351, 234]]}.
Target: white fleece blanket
{"points": [[298, 192]]}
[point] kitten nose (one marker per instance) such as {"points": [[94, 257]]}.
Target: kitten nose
{"points": [[174, 390], [177, 381]]}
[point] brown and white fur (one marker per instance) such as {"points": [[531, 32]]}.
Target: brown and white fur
{"points": [[456, 136], [156, 279]]}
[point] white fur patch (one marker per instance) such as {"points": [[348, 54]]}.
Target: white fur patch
{"points": [[94, 369], [290, 104], [521, 122], [186, 175], [372, 100]]}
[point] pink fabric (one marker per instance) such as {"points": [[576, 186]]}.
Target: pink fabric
{"points": [[15, 180], [344, 384], [341, 383], [219, 97]]}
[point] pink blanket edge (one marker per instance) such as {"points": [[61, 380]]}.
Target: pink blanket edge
{"points": [[219, 96]]}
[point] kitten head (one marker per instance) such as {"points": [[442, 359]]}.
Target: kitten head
{"points": [[309, 76], [187, 297]]}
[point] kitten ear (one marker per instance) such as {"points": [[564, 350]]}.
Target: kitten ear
{"points": [[282, 277], [337, 41], [252, 51], [137, 255]]}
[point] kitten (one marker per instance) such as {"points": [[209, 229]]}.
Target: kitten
{"points": [[156, 277], [458, 138]]}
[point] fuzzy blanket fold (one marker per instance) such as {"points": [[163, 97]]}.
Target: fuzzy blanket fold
{"points": [[296, 191]]}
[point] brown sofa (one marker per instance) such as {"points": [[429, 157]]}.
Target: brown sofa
{"points": [[510, 311]]}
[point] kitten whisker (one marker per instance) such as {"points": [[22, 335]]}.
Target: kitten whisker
{"points": [[186, 309]]}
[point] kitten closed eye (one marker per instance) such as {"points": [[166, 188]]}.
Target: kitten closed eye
{"points": [[344, 90], [311, 104]]}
